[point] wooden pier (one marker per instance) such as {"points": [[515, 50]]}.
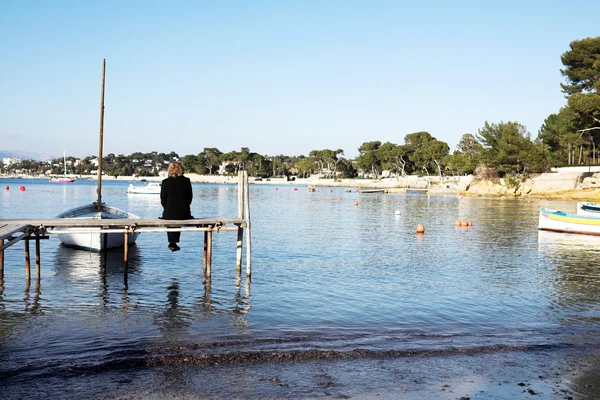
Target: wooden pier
{"points": [[13, 231]]}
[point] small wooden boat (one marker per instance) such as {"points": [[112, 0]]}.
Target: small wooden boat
{"points": [[588, 209], [150, 188], [87, 238], [415, 191], [91, 239], [372, 190], [559, 221]]}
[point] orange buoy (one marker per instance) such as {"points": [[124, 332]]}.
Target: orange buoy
{"points": [[457, 223], [331, 190], [6, 187], [420, 228], [22, 188], [276, 188], [340, 198], [356, 203], [376, 196], [295, 188], [464, 223], [469, 223]]}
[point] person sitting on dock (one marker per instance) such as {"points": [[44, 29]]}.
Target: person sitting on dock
{"points": [[176, 198]]}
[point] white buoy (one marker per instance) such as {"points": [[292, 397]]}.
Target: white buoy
{"points": [[397, 212]]}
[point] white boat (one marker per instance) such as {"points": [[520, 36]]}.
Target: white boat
{"points": [[588, 209], [87, 238], [372, 190], [82, 238], [149, 188], [64, 179], [559, 221]]}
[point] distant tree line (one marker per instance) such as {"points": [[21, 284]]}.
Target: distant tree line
{"points": [[568, 137]]}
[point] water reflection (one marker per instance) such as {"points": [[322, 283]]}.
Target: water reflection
{"points": [[77, 265], [35, 306], [206, 300], [2, 307], [242, 304], [94, 273], [573, 258], [175, 319]]}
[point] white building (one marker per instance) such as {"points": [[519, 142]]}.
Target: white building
{"points": [[11, 160]]}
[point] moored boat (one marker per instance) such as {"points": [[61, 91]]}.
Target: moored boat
{"points": [[91, 239], [64, 178], [150, 188], [588, 209], [415, 191], [559, 221], [87, 238], [372, 190]]}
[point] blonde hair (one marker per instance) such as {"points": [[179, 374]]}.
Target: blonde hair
{"points": [[175, 169]]}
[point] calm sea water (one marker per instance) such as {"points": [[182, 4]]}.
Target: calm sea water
{"points": [[330, 279]]}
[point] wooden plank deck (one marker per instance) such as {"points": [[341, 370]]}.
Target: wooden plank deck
{"points": [[9, 231], [119, 225]]}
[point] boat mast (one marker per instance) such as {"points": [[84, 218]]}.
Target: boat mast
{"points": [[99, 189], [65, 162]]}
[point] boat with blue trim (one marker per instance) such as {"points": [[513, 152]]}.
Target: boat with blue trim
{"points": [[559, 221]]}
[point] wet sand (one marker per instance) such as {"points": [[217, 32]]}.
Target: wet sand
{"points": [[533, 374]]}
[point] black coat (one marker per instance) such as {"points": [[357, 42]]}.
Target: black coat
{"points": [[176, 197]]}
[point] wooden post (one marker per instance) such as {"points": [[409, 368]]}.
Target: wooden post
{"points": [[37, 257], [241, 194], [1, 260], [247, 212], [126, 251], [205, 251], [209, 253], [238, 253], [27, 263], [104, 243]]}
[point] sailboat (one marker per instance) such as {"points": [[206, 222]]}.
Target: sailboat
{"points": [[64, 179], [94, 239]]}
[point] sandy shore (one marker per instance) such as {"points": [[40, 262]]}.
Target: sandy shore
{"points": [[560, 186]]}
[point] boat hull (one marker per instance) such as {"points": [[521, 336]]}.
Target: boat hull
{"points": [[90, 239], [559, 221], [151, 188], [588, 209], [62, 180]]}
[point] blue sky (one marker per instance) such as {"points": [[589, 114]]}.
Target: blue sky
{"points": [[279, 77]]}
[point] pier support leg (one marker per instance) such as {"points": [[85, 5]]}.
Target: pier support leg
{"points": [[238, 253], [27, 261], [104, 242], [2, 260], [247, 214], [126, 248], [37, 258], [205, 251], [126, 252], [209, 253]]}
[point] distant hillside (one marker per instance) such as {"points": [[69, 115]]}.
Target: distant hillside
{"points": [[26, 155]]}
